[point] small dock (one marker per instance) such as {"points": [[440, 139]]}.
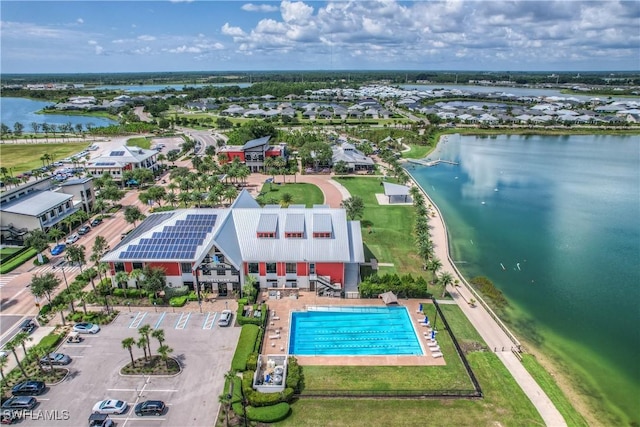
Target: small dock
{"points": [[430, 163]]}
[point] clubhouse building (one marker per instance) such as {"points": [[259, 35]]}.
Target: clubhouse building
{"points": [[315, 249], [253, 153]]}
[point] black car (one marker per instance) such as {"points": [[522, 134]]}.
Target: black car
{"points": [[20, 402], [84, 230], [96, 221], [28, 388], [27, 325], [150, 407]]}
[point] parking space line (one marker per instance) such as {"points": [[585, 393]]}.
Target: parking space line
{"points": [[137, 320], [183, 320], [209, 320], [157, 325]]}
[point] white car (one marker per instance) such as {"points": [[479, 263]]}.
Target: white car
{"points": [[86, 328], [72, 239], [110, 406], [225, 318]]}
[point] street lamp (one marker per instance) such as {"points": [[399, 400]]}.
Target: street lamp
{"points": [[195, 273]]}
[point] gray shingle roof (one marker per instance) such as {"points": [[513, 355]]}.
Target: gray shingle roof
{"points": [[36, 203]]}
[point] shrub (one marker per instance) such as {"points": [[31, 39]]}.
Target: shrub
{"points": [[17, 261], [178, 301], [133, 293], [269, 414], [294, 375], [175, 292], [246, 344], [118, 292], [45, 310], [45, 260], [50, 341], [252, 361], [192, 296]]}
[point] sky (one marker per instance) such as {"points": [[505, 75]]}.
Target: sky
{"points": [[235, 35]]}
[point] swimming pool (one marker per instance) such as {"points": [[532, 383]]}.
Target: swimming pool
{"points": [[353, 331]]}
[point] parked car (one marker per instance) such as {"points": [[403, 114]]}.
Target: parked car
{"points": [[28, 325], [96, 221], [55, 359], [150, 407], [225, 318], [72, 239], [3, 354], [74, 337], [100, 420], [110, 406], [86, 328], [20, 402], [58, 249], [84, 230], [28, 388]]}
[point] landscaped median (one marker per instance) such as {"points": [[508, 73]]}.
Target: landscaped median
{"points": [[17, 260]]}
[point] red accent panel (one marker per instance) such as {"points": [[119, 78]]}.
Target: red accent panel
{"points": [[112, 269], [280, 269], [128, 267], [246, 267], [262, 269], [170, 268], [335, 270], [303, 269]]}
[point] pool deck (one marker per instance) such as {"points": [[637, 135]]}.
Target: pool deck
{"points": [[280, 321]]}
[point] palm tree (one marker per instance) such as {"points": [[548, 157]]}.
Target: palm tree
{"points": [[55, 234], [164, 351], [159, 335], [142, 343], [128, 344], [446, 279], [146, 331], [11, 346], [21, 338], [434, 265], [60, 308], [3, 364], [135, 274], [122, 278], [228, 376]]}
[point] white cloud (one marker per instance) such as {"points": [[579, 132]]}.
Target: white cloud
{"points": [[146, 38], [80, 21], [295, 12], [250, 7], [232, 31]]}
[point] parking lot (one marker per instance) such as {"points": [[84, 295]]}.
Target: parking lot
{"points": [[203, 348]]}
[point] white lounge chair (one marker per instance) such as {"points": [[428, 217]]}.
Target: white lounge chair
{"points": [[274, 337], [436, 355], [435, 349]]}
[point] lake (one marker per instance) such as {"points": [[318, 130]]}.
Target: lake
{"points": [[553, 221], [24, 110]]}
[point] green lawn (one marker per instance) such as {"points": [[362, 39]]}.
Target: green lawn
{"points": [[141, 142], [383, 224], [5, 252], [417, 151], [503, 404], [25, 157], [301, 193]]}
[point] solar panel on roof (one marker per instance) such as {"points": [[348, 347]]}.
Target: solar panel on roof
{"points": [[116, 153], [105, 163]]}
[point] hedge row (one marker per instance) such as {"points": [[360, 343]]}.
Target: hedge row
{"points": [[178, 301], [245, 347], [16, 262], [404, 286], [259, 399], [50, 342]]}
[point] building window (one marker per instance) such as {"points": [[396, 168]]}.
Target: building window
{"points": [[271, 268], [185, 267], [312, 268], [220, 270], [137, 266], [118, 266], [319, 235], [291, 268], [268, 235], [295, 235], [253, 268]]}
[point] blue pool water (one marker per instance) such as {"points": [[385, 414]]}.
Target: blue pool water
{"points": [[353, 331]]}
